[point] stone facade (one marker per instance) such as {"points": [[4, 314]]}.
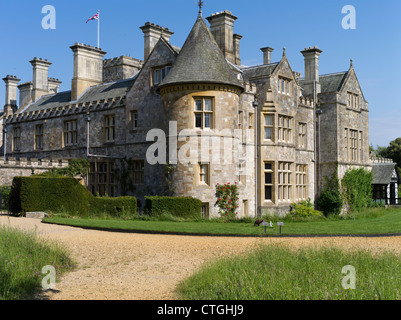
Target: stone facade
{"points": [[208, 107]]}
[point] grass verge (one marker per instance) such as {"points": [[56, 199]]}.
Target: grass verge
{"points": [[378, 221], [22, 257], [279, 273]]}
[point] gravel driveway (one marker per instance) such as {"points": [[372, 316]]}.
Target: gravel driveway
{"points": [[123, 266]]}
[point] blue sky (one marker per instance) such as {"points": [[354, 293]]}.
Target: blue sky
{"points": [[375, 44]]}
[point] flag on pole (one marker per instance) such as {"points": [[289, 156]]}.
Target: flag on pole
{"points": [[95, 17]]}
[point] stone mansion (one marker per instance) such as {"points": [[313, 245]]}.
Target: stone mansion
{"points": [[292, 130]]}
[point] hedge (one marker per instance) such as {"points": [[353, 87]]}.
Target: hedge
{"points": [[185, 207], [63, 194]]}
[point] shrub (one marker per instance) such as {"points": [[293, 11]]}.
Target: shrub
{"points": [[62, 194], [5, 197], [76, 167], [227, 200], [357, 188], [330, 200], [305, 209], [185, 207]]}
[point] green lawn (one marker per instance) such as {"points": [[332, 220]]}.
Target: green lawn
{"points": [[386, 222], [278, 273]]}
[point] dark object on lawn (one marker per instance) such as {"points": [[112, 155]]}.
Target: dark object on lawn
{"points": [[258, 222]]}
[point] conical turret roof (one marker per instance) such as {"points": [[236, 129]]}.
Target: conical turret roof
{"points": [[201, 61]]}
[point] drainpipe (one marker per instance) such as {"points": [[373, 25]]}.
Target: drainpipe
{"points": [[5, 142], [255, 104]]}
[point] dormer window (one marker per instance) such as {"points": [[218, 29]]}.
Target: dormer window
{"points": [[159, 74], [283, 86]]}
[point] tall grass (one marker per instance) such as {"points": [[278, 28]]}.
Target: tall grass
{"points": [[279, 273], [22, 257]]}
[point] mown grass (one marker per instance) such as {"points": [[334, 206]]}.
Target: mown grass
{"points": [[279, 273], [22, 257], [370, 221]]}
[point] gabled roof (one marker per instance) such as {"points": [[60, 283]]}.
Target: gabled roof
{"points": [[200, 61], [262, 71], [330, 82], [103, 91], [383, 173]]}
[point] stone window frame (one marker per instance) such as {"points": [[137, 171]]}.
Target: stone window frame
{"points": [[353, 100], [70, 133], [242, 172], [101, 177], [301, 182], [204, 175], [302, 135], [138, 172], [109, 128], [284, 85], [134, 119], [159, 73], [284, 181], [203, 112], [269, 182], [285, 129], [353, 145], [205, 210], [268, 126], [16, 139], [39, 136]]}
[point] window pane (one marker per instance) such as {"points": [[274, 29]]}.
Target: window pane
{"points": [[198, 105], [268, 193], [268, 166], [268, 120], [208, 120], [268, 178], [198, 120], [208, 104], [268, 133]]}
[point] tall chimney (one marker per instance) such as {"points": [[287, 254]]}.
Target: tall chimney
{"points": [[152, 34], [40, 77], [25, 94], [10, 106], [88, 68], [222, 28], [237, 39], [54, 85], [312, 85], [267, 55]]}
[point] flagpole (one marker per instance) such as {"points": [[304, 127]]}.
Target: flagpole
{"points": [[98, 30]]}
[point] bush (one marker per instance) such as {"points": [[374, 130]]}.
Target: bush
{"points": [[5, 197], [357, 189], [330, 200], [62, 194], [184, 207], [305, 209], [227, 200]]}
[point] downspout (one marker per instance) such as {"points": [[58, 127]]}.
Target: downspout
{"points": [[5, 142], [255, 104]]}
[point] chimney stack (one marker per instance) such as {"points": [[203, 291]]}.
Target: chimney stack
{"points": [[312, 85], [237, 39], [10, 106], [267, 55], [222, 28], [40, 77], [152, 34], [88, 68]]}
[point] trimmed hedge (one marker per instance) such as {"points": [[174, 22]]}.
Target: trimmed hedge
{"points": [[184, 207], [63, 194]]}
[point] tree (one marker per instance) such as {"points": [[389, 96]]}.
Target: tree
{"points": [[393, 151]]}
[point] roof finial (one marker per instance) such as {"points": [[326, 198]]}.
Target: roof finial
{"points": [[352, 62], [200, 4]]}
